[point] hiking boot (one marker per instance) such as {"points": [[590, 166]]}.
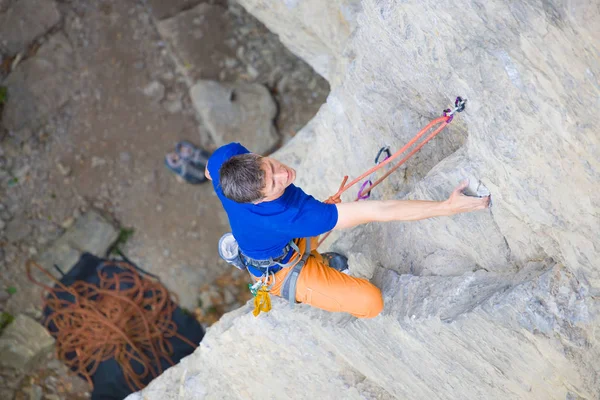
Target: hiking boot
{"points": [[336, 261]]}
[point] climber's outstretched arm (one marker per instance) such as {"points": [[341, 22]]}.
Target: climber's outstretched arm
{"points": [[361, 212]]}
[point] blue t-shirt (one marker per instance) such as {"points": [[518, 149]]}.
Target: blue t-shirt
{"points": [[263, 230]]}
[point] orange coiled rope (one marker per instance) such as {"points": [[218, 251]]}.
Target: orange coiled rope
{"points": [[105, 321], [439, 124]]}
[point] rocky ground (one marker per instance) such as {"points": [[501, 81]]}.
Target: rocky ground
{"points": [[98, 92]]}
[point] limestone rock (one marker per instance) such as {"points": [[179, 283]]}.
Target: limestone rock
{"points": [[480, 335], [25, 21], [155, 91], [91, 233], [23, 343], [315, 31], [40, 85], [195, 32], [237, 112], [499, 304]]}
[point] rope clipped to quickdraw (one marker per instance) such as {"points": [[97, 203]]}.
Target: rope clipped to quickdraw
{"points": [[439, 124], [365, 189], [262, 301]]}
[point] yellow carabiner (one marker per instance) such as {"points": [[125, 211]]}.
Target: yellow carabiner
{"points": [[262, 301]]}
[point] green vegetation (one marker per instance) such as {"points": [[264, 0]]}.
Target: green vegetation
{"points": [[124, 235], [3, 95], [5, 320]]}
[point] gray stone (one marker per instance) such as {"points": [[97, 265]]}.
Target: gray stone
{"points": [[17, 230], [35, 392], [125, 157], [173, 106], [64, 170], [193, 34], [25, 21], [98, 162], [23, 343], [237, 112], [155, 90], [91, 233], [40, 86]]}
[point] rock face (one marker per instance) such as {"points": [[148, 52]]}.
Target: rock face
{"points": [[235, 111], [500, 304], [315, 31]]}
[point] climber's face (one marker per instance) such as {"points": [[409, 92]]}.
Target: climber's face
{"points": [[278, 177]]}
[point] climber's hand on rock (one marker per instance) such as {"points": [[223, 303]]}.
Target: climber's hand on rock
{"points": [[459, 203]]}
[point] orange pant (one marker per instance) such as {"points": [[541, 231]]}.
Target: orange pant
{"points": [[328, 289]]}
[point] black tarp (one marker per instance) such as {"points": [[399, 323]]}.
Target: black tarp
{"points": [[109, 382]]}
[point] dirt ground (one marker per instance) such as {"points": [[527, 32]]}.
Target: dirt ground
{"points": [[105, 148]]}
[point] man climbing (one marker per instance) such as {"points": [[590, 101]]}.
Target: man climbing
{"points": [[276, 226]]}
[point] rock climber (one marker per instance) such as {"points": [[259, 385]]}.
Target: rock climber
{"points": [[274, 222]]}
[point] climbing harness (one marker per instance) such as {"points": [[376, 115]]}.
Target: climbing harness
{"points": [[230, 252], [365, 189], [288, 289], [439, 124], [261, 288]]}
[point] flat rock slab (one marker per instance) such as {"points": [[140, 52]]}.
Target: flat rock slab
{"points": [[91, 233], [195, 33], [40, 85], [237, 112], [23, 343], [25, 21]]}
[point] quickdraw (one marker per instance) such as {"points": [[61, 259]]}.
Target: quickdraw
{"points": [[365, 189], [262, 301], [459, 106], [260, 290], [440, 123]]}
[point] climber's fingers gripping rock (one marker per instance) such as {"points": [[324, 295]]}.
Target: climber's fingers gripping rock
{"points": [[458, 202]]}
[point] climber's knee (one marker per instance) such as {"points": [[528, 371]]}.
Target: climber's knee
{"points": [[368, 302]]}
